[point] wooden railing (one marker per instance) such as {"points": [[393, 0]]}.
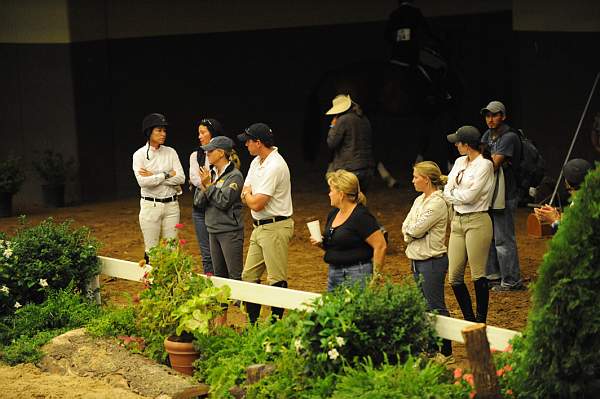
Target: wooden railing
{"points": [[446, 327]]}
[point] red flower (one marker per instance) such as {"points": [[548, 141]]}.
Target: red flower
{"points": [[458, 373], [508, 367], [469, 379], [209, 274], [182, 242], [509, 348], [509, 392], [179, 226], [499, 372]]}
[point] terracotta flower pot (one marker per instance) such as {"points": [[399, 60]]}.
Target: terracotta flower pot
{"points": [[181, 355]]}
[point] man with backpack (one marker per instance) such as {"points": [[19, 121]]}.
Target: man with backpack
{"points": [[503, 269]]}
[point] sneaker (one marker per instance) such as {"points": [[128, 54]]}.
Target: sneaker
{"points": [[506, 288], [494, 282]]}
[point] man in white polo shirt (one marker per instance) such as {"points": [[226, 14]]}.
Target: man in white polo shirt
{"points": [[159, 175], [268, 193]]}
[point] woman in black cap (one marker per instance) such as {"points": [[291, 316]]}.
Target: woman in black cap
{"points": [[469, 189], [574, 171]]}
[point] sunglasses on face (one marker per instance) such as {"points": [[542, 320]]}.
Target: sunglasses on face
{"points": [[207, 123]]}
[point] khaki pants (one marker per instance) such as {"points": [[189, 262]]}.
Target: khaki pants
{"points": [[156, 218], [470, 239], [268, 250]]}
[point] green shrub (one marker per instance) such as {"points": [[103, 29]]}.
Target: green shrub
{"points": [[11, 175], [33, 325], [26, 349], [47, 255], [353, 323], [114, 322], [561, 340], [309, 349], [415, 378]]}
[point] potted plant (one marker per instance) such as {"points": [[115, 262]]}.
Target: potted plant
{"points": [[177, 303], [11, 180], [54, 171]]}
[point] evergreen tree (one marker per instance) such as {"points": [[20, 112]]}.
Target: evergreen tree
{"points": [[562, 341]]}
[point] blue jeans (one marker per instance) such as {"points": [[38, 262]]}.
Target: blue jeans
{"points": [[359, 272], [203, 242], [431, 274], [503, 258]]}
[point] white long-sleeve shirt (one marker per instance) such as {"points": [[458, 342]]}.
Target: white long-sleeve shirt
{"points": [[424, 228], [195, 168], [163, 159], [474, 193]]}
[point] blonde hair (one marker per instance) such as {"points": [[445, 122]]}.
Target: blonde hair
{"points": [[347, 183], [432, 171]]}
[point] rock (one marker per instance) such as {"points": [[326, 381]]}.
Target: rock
{"points": [[77, 353]]}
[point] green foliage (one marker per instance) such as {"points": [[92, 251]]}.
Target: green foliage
{"points": [[225, 355], [47, 255], [35, 324], [310, 349], [172, 282], [53, 168], [415, 378], [561, 345], [511, 376], [26, 349], [354, 323], [195, 314], [114, 322], [11, 175]]}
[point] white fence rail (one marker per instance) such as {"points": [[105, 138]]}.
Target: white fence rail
{"points": [[446, 327]]}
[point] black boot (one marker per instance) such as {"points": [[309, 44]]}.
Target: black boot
{"points": [[461, 292], [482, 296], [277, 313], [253, 310], [146, 258]]}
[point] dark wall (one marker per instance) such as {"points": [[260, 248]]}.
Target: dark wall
{"points": [[556, 73], [90, 97]]}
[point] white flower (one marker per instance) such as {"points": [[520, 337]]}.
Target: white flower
{"points": [[17, 305], [333, 354], [8, 252], [268, 347], [43, 282], [340, 341], [4, 289], [298, 344]]}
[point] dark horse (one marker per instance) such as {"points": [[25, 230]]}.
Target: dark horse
{"points": [[411, 109]]}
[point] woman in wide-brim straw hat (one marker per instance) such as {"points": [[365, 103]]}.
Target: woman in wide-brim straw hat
{"points": [[349, 139]]}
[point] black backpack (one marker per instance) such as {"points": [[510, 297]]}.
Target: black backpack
{"points": [[532, 168]]}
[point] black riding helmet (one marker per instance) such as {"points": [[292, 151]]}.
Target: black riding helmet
{"points": [[150, 122]]}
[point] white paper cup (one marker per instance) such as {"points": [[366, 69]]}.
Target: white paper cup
{"points": [[315, 230]]}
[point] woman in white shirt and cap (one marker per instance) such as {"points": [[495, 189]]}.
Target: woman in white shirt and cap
{"points": [[469, 189]]}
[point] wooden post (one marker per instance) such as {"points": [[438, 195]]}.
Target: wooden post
{"points": [[480, 359]]}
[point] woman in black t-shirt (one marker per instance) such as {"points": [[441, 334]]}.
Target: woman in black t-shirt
{"points": [[353, 242]]}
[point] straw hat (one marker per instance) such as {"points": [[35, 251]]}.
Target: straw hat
{"points": [[341, 103]]}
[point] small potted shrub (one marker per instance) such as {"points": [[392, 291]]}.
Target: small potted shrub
{"points": [[55, 171], [11, 180], [177, 303]]}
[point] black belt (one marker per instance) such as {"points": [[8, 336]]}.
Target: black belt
{"points": [[164, 200], [269, 220], [469, 213]]}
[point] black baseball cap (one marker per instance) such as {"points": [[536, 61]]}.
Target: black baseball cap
{"points": [[257, 131], [465, 134]]}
